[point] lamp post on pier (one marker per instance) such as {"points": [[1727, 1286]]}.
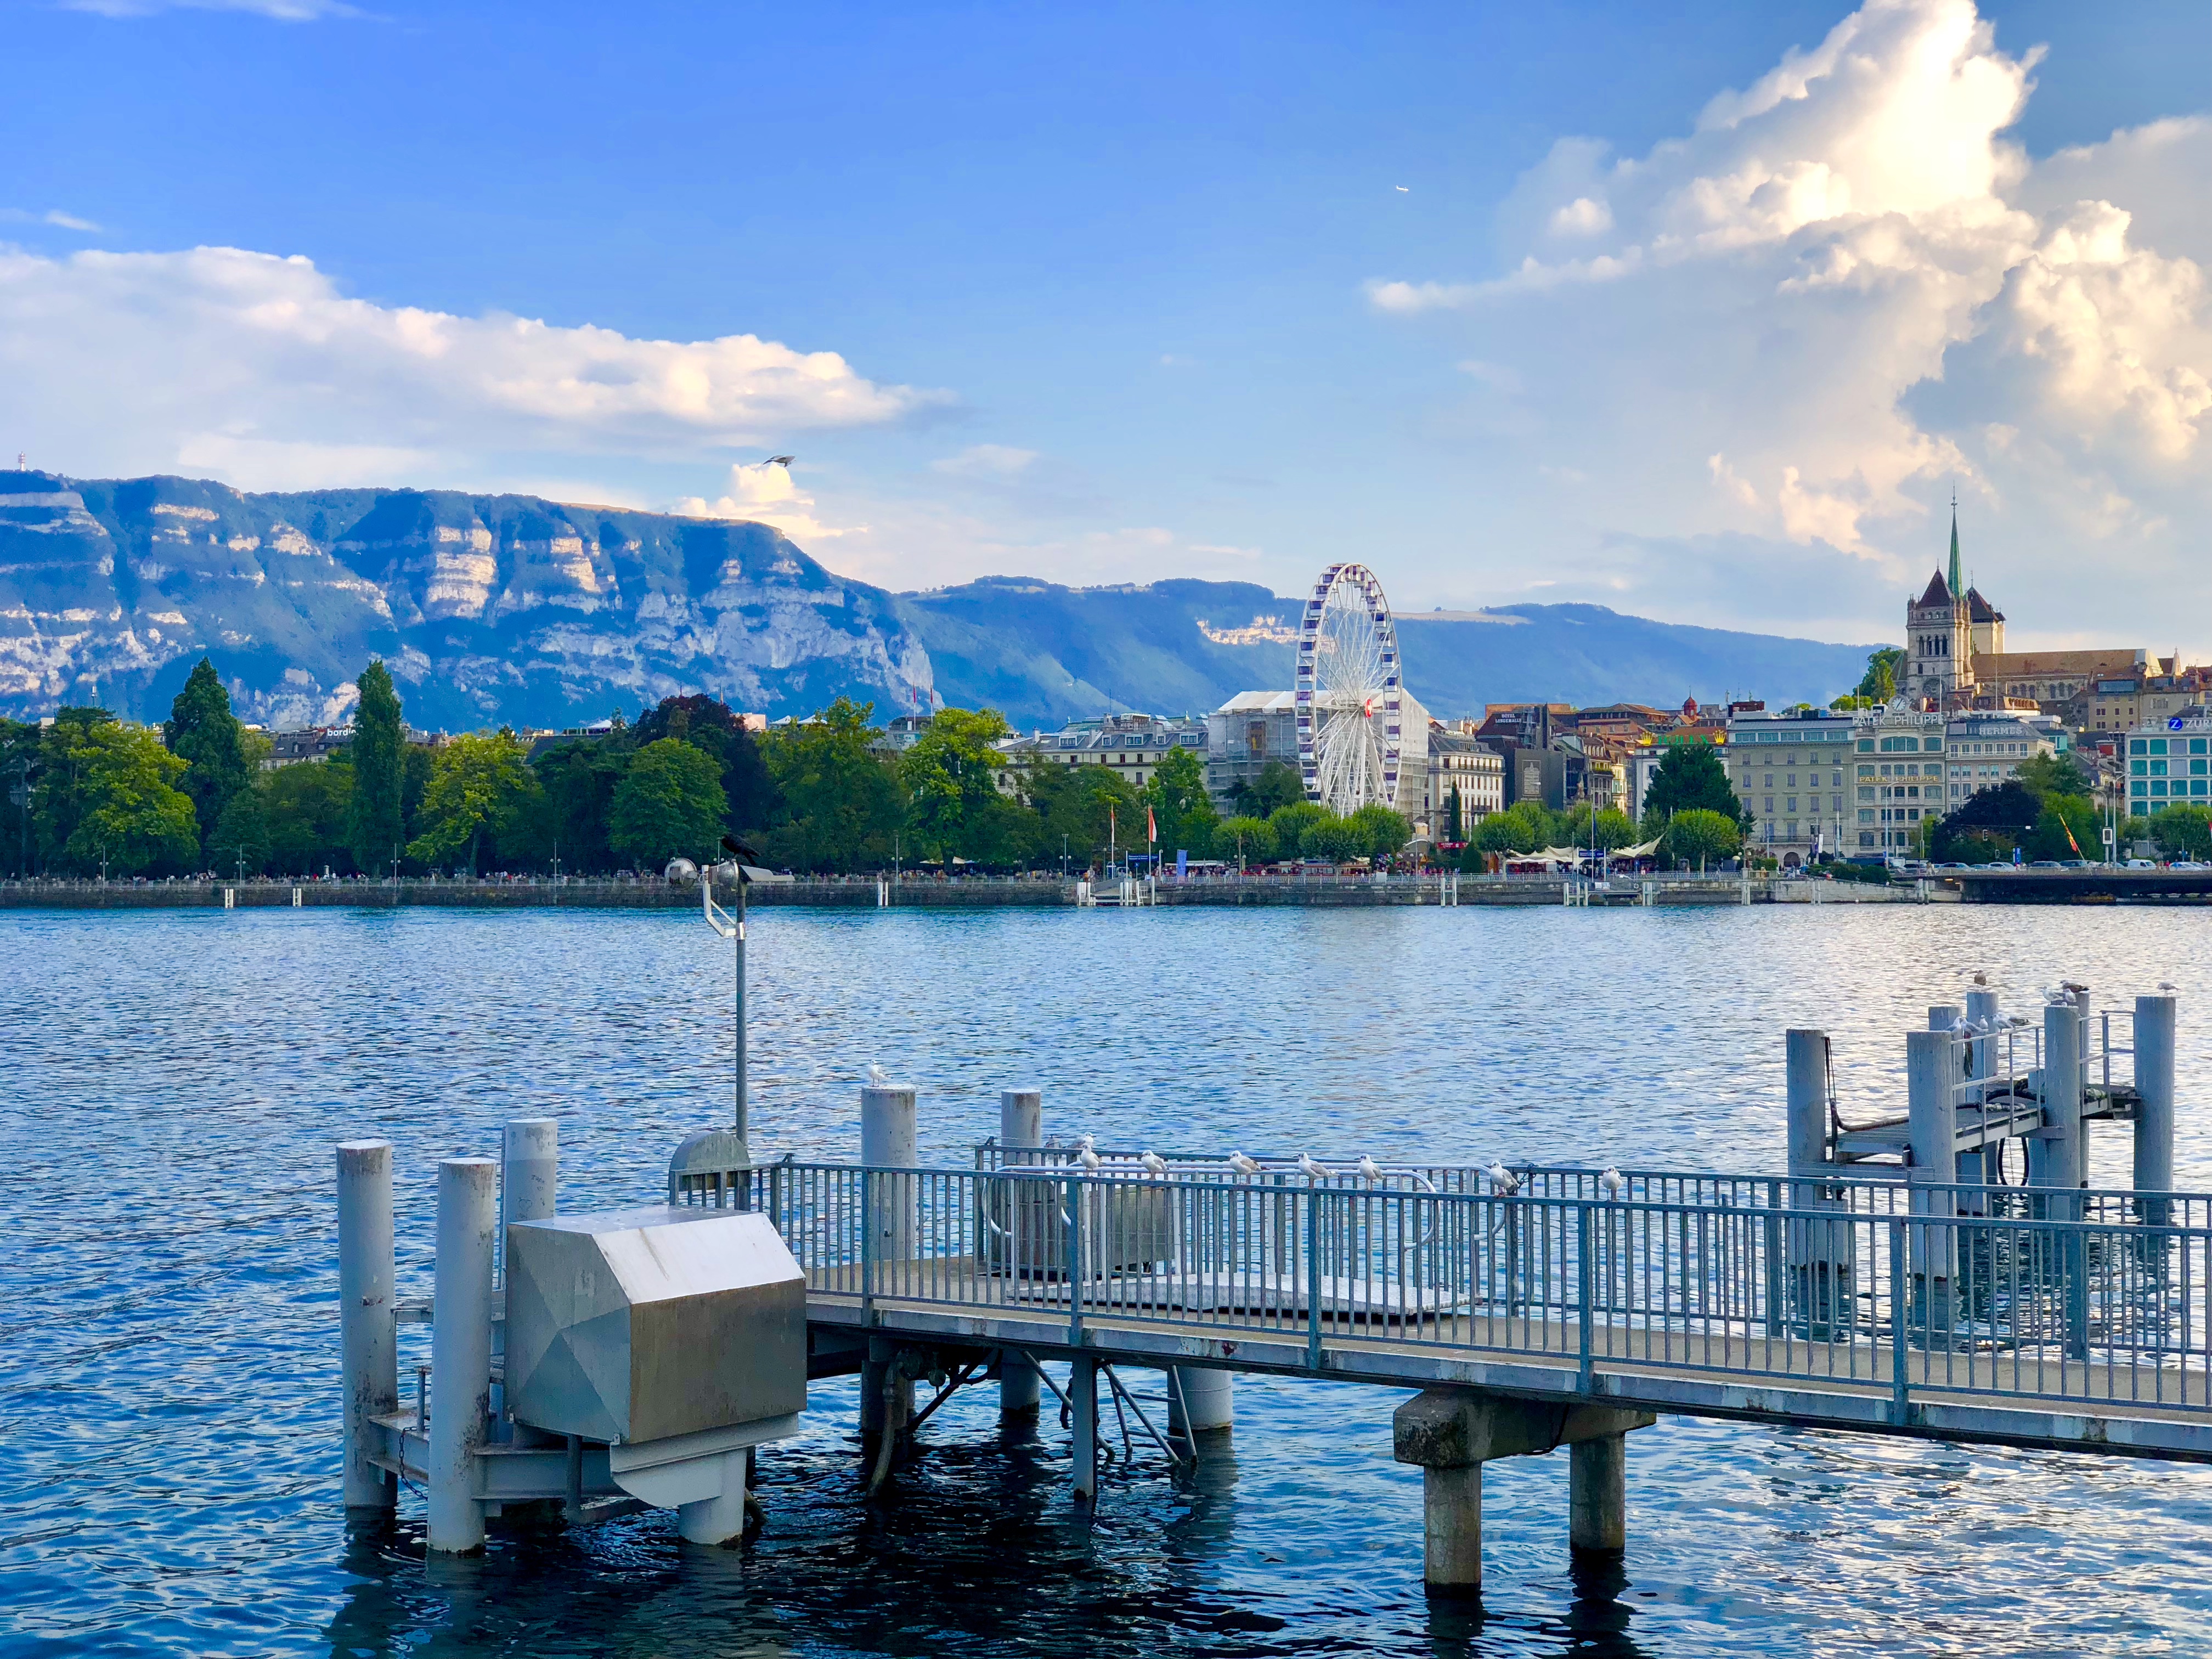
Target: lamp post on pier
{"points": [[714, 1166]]}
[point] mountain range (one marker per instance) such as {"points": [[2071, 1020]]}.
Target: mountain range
{"points": [[513, 609]]}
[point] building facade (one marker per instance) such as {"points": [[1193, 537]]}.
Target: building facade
{"points": [[1458, 760], [1132, 745], [1254, 728], [2170, 763], [1910, 765], [1791, 771]]}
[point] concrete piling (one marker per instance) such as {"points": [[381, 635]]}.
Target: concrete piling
{"points": [[1083, 1397], [1201, 1401], [460, 1350], [1021, 1129], [529, 1169], [2153, 1147], [1818, 1254], [1932, 1125], [1597, 1493], [2055, 1152], [368, 1338], [888, 1141]]}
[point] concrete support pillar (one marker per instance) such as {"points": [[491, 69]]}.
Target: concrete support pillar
{"points": [[2154, 1160], [1021, 1389], [886, 1395], [530, 1170], [1451, 1530], [1021, 1117], [1083, 1395], [1983, 1056], [366, 1337], [460, 1350], [1597, 1493], [1201, 1401], [1818, 1254], [1806, 1085], [720, 1520]]}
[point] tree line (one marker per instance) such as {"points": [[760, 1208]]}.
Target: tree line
{"points": [[93, 793]]}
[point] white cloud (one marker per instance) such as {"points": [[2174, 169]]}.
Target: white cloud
{"points": [[1842, 290], [986, 461], [768, 495], [263, 369], [51, 216]]}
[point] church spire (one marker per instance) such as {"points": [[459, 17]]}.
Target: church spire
{"points": [[1958, 586]]}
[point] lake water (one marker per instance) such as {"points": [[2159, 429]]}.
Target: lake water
{"points": [[174, 1083]]}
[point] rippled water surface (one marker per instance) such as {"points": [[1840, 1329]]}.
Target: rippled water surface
{"points": [[173, 1084]]}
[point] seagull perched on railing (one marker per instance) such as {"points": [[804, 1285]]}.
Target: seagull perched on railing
{"points": [[1369, 1170], [1086, 1156], [1242, 1164], [1310, 1169], [1154, 1163], [2017, 1020], [1503, 1179], [1612, 1182]]}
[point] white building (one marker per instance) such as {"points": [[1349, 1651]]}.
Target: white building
{"points": [[1256, 727], [1910, 765], [1132, 745], [1790, 769]]}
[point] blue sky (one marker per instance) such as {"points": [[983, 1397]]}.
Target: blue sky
{"points": [[1112, 287]]}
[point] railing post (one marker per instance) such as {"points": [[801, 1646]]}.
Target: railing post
{"points": [[1586, 1282], [867, 1247], [1770, 1244], [1073, 1231], [1313, 1278], [1900, 1404]]}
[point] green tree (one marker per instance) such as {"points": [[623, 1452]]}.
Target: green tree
{"points": [[19, 774], [1253, 838], [2053, 774], [1610, 828], [203, 732], [1523, 827], [1690, 777], [1987, 826], [240, 843], [841, 808], [1277, 785], [129, 813], [1183, 809], [1289, 823], [376, 825], [306, 807], [478, 785], [2183, 831], [1703, 836], [65, 752], [2067, 827], [949, 774], [1383, 832], [711, 725], [1332, 838], [669, 804], [577, 781], [1454, 817], [1878, 683]]}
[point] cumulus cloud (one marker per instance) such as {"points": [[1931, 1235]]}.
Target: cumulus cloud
{"points": [[1844, 289], [259, 368], [768, 495]]}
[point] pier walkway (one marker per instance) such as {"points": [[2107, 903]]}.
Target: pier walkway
{"points": [[2069, 1320]]}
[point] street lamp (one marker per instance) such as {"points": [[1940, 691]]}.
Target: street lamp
{"points": [[716, 1164]]}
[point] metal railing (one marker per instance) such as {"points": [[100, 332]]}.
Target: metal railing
{"points": [[2081, 1301]]}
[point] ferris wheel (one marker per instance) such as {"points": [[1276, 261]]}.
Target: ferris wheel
{"points": [[1349, 698]]}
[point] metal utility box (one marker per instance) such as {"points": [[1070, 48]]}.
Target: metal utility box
{"points": [[637, 1325]]}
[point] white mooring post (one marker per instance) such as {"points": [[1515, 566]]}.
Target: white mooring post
{"points": [[460, 1350], [367, 1338], [530, 1172], [1984, 1057], [1932, 1125], [2059, 1164], [1021, 1126], [2154, 1160], [888, 1141], [1818, 1254]]}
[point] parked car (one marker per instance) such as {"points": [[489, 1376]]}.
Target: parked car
{"points": [[2185, 864], [2144, 864], [2046, 864]]}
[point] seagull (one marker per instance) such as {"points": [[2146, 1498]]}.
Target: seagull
{"points": [[1981, 979], [783, 461], [2168, 985], [1087, 1143], [1154, 1163], [1613, 1182], [1085, 1156], [1369, 1170], [877, 1078], [1502, 1179], [2017, 1020], [1242, 1164], [1310, 1169]]}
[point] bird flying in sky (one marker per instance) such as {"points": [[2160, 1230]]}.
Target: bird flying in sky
{"points": [[783, 461]]}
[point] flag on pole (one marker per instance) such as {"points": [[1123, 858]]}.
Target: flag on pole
{"points": [[1151, 827], [2070, 841]]}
